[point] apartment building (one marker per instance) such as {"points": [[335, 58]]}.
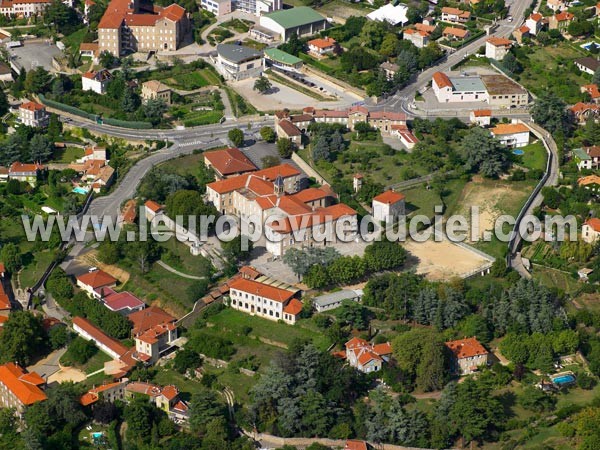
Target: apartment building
{"points": [[23, 8], [33, 114], [19, 388], [237, 62], [127, 26]]}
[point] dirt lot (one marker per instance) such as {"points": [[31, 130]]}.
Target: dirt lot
{"points": [[443, 260], [66, 374], [490, 197], [91, 260]]}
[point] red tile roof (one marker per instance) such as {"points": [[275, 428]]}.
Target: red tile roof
{"points": [[153, 206], [294, 307], [289, 128], [499, 42], [31, 106], [229, 161], [442, 80], [592, 89], [594, 223], [453, 31], [319, 216], [235, 183], [91, 396], [98, 335], [425, 28], [130, 211], [97, 279], [148, 318], [25, 386], [322, 43], [262, 290], [482, 113], [466, 348], [456, 12], [564, 16], [509, 128], [536, 17], [352, 444], [123, 300], [389, 197], [18, 167]]}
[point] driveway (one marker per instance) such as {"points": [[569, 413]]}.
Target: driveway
{"points": [[49, 365]]}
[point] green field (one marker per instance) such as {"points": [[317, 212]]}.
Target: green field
{"points": [[535, 156], [67, 155], [188, 81], [555, 279], [33, 270]]}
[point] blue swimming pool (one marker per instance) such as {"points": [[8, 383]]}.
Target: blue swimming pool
{"points": [[518, 152], [80, 190], [97, 435], [589, 45], [564, 379]]}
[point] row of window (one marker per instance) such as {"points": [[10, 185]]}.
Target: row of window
{"points": [[263, 311]]}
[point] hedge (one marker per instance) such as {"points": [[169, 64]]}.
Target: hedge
{"points": [[79, 112]]}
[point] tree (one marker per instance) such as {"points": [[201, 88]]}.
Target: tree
{"points": [[285, 147], [154, 110], [59, 285], [79, 351], [268, 134], [37, 80], [384, 255], [294, 46], [320, 150], [233, 250], [59, 336], [107, 59], [186, 359], [316, 277], [270, 161], [236, 136], [389, 45], [551, 112], [11, 257], [511, 64], [22, 338], [3, 103], [65, 19], [205, 406], [40, 148], [596, 77], [262, 85], [536, 400], [483, 153], [130, 101]]}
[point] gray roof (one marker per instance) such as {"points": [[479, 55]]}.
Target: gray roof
{"points": [[338, 296], [467, 84], [237, 53]]}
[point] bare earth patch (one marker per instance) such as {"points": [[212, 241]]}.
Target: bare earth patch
{"points": [[443, 260], [91, 259], [66, 374]]}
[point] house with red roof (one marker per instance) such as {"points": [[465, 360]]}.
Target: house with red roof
{"points": [[19, 388], [534, 23], [108, 392], [513, 135], [93, 282], [389, 205], [155, 341], [481, 117], [26, 173], [228, 162], [365, 356], [590, 230], [468, 355], [264, 300], [353, 444], [96, 81], [585, 111], [593, 91], [497, 48], [560, 21], [455, 15], [124, 303], [165, 398], [321, 47], [2, 270], [33, 114]]}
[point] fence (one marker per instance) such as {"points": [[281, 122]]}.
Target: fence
{"points": [[307, 168]]}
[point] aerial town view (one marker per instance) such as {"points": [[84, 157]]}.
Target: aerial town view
{"points": [[299, 224]]}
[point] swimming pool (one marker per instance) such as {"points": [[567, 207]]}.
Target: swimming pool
{"points": [[80, 190], [564, 379], [518, 152], [588, 45], [97, 434]]}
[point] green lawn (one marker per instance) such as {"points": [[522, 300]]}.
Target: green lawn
{"points": [[535, 156], [73, 40], [188, 81], [33, 271], [232, 321], [555, 279], [178, 256], [67, 155]]}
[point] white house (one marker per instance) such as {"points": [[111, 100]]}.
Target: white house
{"points": [[33, 114], [334, 300], [455, 15], [513, 135], [481, 117], [321, 47], [367, 357], [93, 282], [418, 37], [497, 48], [534, 23], [556, 5], [217, 7], [587, 64], [458, 89], [237, 62], [388, 204], [96, 81], [590, 230], [264, 300], [408, 139]]}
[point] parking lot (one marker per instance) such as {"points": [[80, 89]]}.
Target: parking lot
{"points": [[35, 54]]}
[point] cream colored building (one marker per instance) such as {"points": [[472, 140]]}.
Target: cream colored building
{"points": [[153, 90]]}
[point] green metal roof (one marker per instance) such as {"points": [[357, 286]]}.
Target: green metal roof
{"points": [[295, 17], [580, 154], [280, 56]]}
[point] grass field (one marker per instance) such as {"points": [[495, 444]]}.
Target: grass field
{"points": [[33, 271], [67, 155], [535, 156], [188, 81], [555, 278], [181, 259]]}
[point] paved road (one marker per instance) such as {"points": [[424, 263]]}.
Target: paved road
{"points": [[402, 98]]}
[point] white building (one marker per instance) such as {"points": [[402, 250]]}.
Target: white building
{"points": [[302, 21], [257, 7], [96, 81], [23, 8], [90, 332], [497, 48], [388, 204], [455, 15], [156, 340], [93, 282], [590, 231], [321, 47], [481, 117], [418, 37], [458, 89], [394, 15], [237, 62], [217, 7], [587, 64], [33, 114], [264, 301], [327, 302], [556, 5], [534, 23], [367, 357], [513, 135]]}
